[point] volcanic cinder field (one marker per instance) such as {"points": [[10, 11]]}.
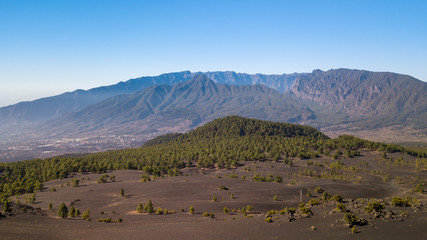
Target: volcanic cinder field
{"points": [[362, 180]]}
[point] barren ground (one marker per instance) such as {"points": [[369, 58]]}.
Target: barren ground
{"points": [[197, 187]]}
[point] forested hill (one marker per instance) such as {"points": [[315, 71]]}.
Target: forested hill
{"points": [[224, 143], [235, 126]]}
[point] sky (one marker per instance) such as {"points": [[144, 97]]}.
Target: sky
{"points": [[50, 47]]}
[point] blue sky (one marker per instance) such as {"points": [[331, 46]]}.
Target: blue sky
{"points": [[49, 47]]}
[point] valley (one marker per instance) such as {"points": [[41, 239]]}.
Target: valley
{"points": [[379, 106]]}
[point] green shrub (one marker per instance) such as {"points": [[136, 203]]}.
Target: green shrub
{"points": [[399, 202], [191, 210], [292, 211], [374, 206], [206, 214], [305, 210], [269, 219], [336, 198], [418, 188], [351, 219], [225, 210], [313, 202], [326, 196], [145, 178], [318, 190], [106, 220], [341, 207], [159, 211], [86, 214]]}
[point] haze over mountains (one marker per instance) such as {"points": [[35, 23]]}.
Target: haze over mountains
{"points": [[177, 102], [188, 104]]}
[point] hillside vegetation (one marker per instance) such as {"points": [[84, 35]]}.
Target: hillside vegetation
{"points": [[223, 143]]}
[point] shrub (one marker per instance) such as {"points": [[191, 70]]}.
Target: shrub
{"points": [[76, 182], [398, 202], [272, 212], [223, 187], [326, 196], [191, 210], [309, 193], [350, 219], [225, 210], [145, 178], [106, 220], [86, 214], [403, 202], [318, 190], [269, 219], [336, 198], [6, 206], [341, 207], [292, 211], [275, 198], [419, 188], [159, 211], [103, 178], [374, 206], [49, 207], [206, 214], [214, 199], [305, 210], [313, 202]]}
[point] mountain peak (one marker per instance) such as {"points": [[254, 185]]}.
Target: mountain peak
{"points": [[201, 77]]}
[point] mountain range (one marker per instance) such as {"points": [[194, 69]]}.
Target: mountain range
{"points": [[188, 104], [178, 102]]}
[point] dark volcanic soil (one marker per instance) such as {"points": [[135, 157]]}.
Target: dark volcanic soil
{"points": [[197, 188]]}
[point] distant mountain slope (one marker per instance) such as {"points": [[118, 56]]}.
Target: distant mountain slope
{"points": [[52, 107], [372, 99], [194, 102]]}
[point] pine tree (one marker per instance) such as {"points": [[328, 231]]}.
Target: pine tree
{"points": [[72, 211], [86, 214], [63, 211], [139, 209], [6, 206], [148, 208]]}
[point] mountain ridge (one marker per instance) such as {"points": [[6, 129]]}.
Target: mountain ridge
{"points": [[195, 101]]}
